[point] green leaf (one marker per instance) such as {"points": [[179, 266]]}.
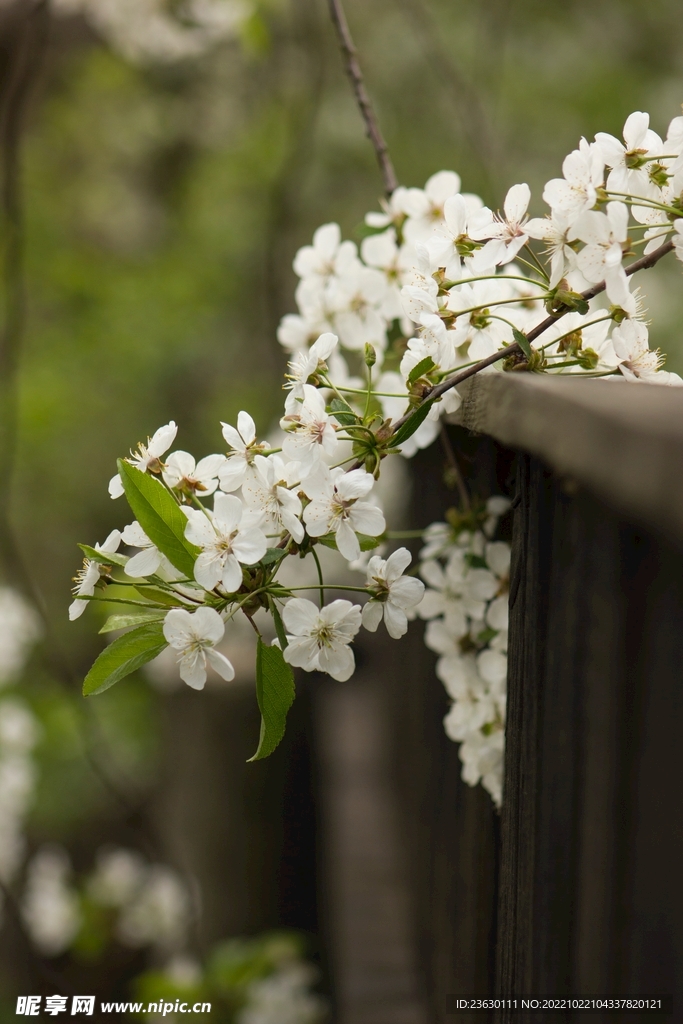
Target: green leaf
{"points": [[279, 625], [275, 695], [424, 366], [272, 555], [134, 619], [343, 412], [411, 424], [159, 516], [522, 341], [126, 654], [366, 542], [164, 597], [103, 557]]}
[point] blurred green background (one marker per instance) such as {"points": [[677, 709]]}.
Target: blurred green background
{"points": [[163, 206]]}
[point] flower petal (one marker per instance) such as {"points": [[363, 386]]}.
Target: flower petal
{"points": [[220, 664], [300, 616]]}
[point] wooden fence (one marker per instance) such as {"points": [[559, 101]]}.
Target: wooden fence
{"points": [[576, 887]]}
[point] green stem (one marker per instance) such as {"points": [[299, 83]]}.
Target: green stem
{"points": [[637, 201], [541, 268], [330, 586], [575, 329], [499, 277], [320, 576]]}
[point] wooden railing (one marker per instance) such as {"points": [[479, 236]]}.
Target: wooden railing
{"points": [[575, 887]]}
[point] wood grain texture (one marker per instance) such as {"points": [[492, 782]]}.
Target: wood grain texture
{"points": [[622, 441]]}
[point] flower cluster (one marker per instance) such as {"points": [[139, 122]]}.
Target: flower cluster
{"points": [[151, 901], [211, 536], [50, 905], [441, 287], [261, 980], [443, 282], [466, 607], [143, 904]]}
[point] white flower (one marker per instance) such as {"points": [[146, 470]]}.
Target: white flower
{"points": [[310, 431], [327, 256], [148, 560], [383, 253], [396, 208], [147, 457], [629, 164], [305, 364], [394, 593], [243, 447], [89, 576], [19, 630], [319, 639], [438, 539], [267, 490], [160, 913], [284, 998], [477, 328], [678, 238], [229, 538], [554, 231], [636, 360], [451, 246], [295, 332], [600, 259], [457, 590], [182, 472], [583, 170], [335, 508], [194, 635], [357, 298], [509, 232], [117, 877], [593, 335], [50, 908], [426, 208]]}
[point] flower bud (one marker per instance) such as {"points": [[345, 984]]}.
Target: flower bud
{"points": [[370, 355]]}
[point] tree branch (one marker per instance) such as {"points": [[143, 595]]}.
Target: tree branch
{"points": [[644, 263], [353, 70]]}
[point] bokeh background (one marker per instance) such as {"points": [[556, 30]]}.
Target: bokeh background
{"points": [[163, 195]]}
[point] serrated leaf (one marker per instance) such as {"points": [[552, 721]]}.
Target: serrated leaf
{"points": [[279, 625], [159, 516], [275, 695], [411, 424], [272, 555], [164, 597], [425, 365], [103, 557], [522, 341], [134, 619], [329, 540], [366, 542], [126, 654], [343, 412]]}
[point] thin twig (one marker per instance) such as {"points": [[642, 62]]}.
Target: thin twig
{"points": [[440, 389], [455, 469], [353, 70]]}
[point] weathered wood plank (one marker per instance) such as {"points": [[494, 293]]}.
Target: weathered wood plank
{"points": [[623, 441]]}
